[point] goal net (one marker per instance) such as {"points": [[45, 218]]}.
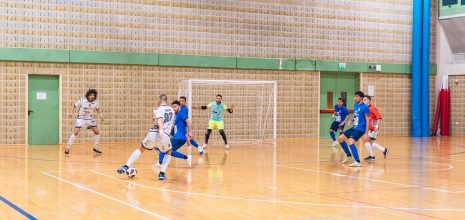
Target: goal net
{"points": [[255, 114]]}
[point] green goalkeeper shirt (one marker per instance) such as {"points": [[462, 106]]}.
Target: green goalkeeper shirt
{"points": [[217, 111]]}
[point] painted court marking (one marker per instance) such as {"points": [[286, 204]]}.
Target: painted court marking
{"points": [[368, 179], [279, 201], [18, 209], [107, 196]]}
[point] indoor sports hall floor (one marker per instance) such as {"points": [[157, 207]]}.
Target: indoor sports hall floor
{"points": [[303, 179]]}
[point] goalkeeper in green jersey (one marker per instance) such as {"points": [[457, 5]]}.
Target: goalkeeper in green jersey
{"points": [[216, 119]]}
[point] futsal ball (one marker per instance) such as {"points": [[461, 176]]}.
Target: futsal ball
{"points": [[131, 172]]}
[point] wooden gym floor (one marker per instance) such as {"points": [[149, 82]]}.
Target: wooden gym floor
{"points": [[302, 179]]}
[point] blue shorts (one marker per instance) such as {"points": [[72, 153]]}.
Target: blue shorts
{"points": [[177, 143], [335, 126], [354, 134]]}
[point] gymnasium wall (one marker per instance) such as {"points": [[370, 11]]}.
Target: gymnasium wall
{"points": [[393, 100], [342, 30], [457, 105], [128, 93]]}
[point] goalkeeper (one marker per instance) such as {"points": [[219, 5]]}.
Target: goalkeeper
{"points": [[216, 119]]}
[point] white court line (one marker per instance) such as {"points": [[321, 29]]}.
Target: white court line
{"points": [[372, 180], [279, 201], [107, 196], [232, 197]]}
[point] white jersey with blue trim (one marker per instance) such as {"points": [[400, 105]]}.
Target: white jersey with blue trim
{"points": [[86, 108], [167, 114]]}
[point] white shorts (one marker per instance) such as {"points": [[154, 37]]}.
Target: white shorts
{"points": [[151, 141], [372, 134], [87, 123]]}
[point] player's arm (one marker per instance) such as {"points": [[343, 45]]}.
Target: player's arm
{"points": [[76, 106], [346, 112], [367, 118], [205, 107], [99, 114], [72, 112], [189, 128], [160, 127], [229, 109]]}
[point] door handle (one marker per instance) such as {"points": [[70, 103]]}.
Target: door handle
{"points": [[29, 112]]}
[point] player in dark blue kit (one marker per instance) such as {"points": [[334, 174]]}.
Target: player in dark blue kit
{"points": [[360, 128], [191, 141], [183, 128], [340, 119]]}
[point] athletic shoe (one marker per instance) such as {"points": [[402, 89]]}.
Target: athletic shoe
{"points": [[67, 149], [204, 146], [334, 144], [122, 169], [370, 158], [226, 146], [386, 152], [97, 151], [189, 161], [347, 159], [355, 164], [161, 176], [200, 148]]}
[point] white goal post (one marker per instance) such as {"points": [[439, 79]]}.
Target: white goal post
{"points": [[255, 113]]}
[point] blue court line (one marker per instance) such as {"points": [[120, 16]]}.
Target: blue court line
{"points": [[29, 216]]}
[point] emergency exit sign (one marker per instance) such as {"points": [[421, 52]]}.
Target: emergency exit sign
{"points": [[342, 66]]}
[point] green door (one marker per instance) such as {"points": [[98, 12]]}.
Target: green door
{"points": [[43, 109], [333, 86]]}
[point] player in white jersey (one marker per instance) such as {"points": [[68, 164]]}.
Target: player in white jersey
{"points": [[85, 108], [163, 117]]}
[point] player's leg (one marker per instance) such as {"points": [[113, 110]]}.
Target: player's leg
{"points": [[96, 131], [211, 125], [371, 155], [381, 148], [72, 137], [164, 165], [192, 142], [178, 143], [146, 144], [354, 137], [332, 133], [220, 125], [134, 156], [342, 140]]}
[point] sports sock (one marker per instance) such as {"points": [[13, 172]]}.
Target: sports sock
{"points": [[166, 162], [353, 149], [379, 147], [71, 140], [369, 149], [178, 155], [345, 148], [333, 136], [134, 156]]}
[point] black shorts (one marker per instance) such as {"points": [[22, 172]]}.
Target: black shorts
{"points": [[335, 126]]}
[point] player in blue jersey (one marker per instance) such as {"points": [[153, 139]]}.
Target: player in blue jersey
{"points": [[340, 119], [360, 128], [191, 141], [216, 119], [182, 130]]}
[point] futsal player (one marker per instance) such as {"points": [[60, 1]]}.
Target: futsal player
{"points": [[360, 128], [216, 119], [340, 118], [374, 122], [158, 135], [190, 141], [85, 109]]}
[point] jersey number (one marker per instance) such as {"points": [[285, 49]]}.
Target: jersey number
{"points": [[168, 117]]}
